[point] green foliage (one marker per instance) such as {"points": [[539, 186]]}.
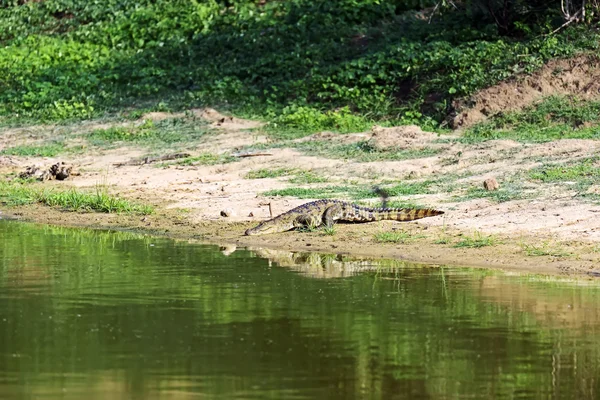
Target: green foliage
{"points": [[15, 193], [46, 150], [303, 64]]}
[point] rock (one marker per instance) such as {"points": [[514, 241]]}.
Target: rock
{"points": [[491, 184], [228, 212], [251, 214]]}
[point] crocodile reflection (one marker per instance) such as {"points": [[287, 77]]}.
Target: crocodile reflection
{"points": [[319, 265]]}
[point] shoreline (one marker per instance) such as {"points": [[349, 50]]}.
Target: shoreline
{"points": [[354, 240]]}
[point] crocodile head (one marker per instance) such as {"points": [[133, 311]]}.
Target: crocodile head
{"points": [[261, 229], [271, 226]]}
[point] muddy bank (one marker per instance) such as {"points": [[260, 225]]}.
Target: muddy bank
{"points": [[507, 253]]}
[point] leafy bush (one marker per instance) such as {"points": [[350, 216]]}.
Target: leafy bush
{"points": [[313, 65]]}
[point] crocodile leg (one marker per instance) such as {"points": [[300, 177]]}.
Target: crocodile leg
{"points": [[332, 214], [309, 220]]}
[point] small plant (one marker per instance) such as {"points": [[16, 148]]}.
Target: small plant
{"points": [[477, 240], [329, 230]]}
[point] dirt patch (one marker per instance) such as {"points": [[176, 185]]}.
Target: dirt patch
{"points": [[578, 76], [400, 137]]}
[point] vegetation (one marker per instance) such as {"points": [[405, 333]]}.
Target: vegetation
{"points": [[354, 192], [555, 117], [44, 150], [300, 64], [401, 236], [477, 240], [269, 173], [16, 193], [545, 249]]}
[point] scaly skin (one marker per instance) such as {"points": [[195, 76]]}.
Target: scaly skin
{"points": [[327, 212]]}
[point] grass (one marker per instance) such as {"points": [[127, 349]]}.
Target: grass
{"points": [[45, 150], [504, 194], [307, 177], [354, 192], [329, 230], [178, 132], [477, 240], [555, 117], [544, 249], [14, 194], [397, 237], [583, 174], [587, 169], [362, 151], [269, 173]]}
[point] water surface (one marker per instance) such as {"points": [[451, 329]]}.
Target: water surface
{"points": [[96, 315]]}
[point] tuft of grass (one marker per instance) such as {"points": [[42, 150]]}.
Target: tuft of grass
{"points": [[307, 177], [73, 200], [329, 230], [402, 236], [45, 150], [544, 249], [477, 240], [269, 173]]}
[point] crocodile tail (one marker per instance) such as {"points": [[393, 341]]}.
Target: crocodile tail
{"points": [[410, 214]]}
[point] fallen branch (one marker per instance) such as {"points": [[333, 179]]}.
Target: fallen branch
{"points": [[150, 160]]}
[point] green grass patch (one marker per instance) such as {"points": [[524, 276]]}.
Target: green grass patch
{"points": [[504, 194], [73, 200], [362, 151], [353, 192], [545, 249], [555, 117], [269, 173], [45, 150], [179, 132], [307, 177], [477, 240], [588, 170], [397, 237]]}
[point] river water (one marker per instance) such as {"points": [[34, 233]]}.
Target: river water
{"points": [[97, 315]]}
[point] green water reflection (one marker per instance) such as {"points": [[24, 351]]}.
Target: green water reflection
{"points": [[118, 315]]}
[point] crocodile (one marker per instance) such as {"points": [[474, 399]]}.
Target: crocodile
{"points": [[327, 212]]}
